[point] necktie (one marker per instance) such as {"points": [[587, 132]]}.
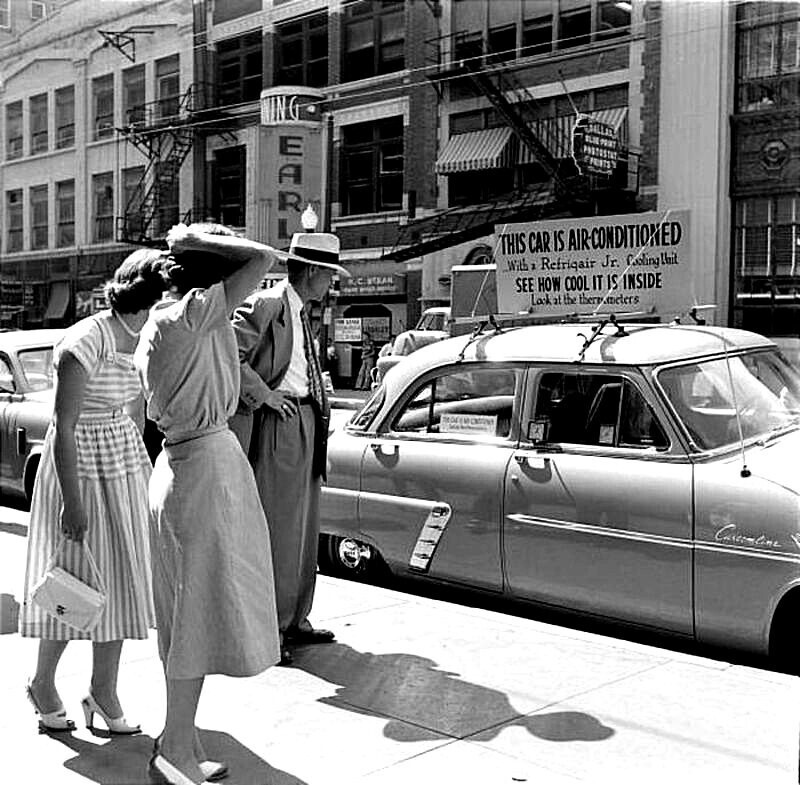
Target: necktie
{"points": [[316, 389]]}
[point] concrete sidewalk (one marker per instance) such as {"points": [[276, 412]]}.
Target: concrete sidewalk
{"points": [[420, 691]]}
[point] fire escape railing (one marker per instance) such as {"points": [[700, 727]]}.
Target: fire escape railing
{"points": [[468, 57], [163, 132]]}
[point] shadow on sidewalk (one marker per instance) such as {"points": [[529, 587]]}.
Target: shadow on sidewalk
{"points": [[422, 702], [123, 760]]}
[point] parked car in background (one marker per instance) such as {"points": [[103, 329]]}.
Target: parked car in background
{"points": [[432, 326], [645, 474], [26, 405]]}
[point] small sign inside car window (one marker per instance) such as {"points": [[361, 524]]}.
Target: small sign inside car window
{"points": [[537, 430]]}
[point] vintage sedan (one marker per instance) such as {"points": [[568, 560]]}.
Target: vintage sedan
{"points": [[641, 473], [26, 405]]}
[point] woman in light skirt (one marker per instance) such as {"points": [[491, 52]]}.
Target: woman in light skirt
{"points": [[91, 489]]}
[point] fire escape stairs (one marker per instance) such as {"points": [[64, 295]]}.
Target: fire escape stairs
{"points": [[165, 140], [561, 192]]}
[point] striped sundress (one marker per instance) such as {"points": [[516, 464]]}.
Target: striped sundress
{"points": [[113, 473]]}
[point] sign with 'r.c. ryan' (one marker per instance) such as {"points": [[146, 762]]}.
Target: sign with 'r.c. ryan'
{"points": [[615, 263]]}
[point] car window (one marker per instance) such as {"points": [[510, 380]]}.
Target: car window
{"points": [[596, 409], [37, 365], [758, 393], [6, 377], [363, 418], [475, 402]]}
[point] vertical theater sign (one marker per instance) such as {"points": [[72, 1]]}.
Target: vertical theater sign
{"points": [[290, 174]]}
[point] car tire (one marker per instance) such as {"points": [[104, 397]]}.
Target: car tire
{"points": [[784, 652], [344, 557]]}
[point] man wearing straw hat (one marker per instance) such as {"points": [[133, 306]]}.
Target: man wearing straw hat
{"points": [[282, 423]]}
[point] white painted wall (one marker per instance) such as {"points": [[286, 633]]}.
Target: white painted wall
{"points": [[694, 142]]}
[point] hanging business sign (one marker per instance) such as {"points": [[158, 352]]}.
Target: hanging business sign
{"points": [[595, 146], [347, 329], [614, 263], [289, 105]]}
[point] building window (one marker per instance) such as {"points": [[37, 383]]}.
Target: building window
{"points": [[767, 247], [239, 69], [301, 52], [537, 27], [229, 185], [133, 97], [372, 166], [225, 10], [103, 201], [38, 123], [168, 86], [133, 185], [39, 223], [574, 23], [65, 213], [374, 39], [14, 130], [65, 117], [38, 10], [14, 220], [5, 14], [103, 106], [768, 56]]}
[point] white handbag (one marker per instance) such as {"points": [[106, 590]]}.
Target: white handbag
{"points": [[67, 598]]}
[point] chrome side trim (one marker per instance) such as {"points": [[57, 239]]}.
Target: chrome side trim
{"points": [[675, 542], [429, 536]]}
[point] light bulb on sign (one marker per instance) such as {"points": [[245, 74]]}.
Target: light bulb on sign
{"points": [[309, 220]]}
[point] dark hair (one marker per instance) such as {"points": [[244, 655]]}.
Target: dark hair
{"points": [[137, 282], [198, 269]]}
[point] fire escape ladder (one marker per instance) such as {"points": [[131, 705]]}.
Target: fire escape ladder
{"points": [[165, 137]]}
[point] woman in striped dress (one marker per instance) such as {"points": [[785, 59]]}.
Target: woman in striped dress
{"points": [[92, 486]]}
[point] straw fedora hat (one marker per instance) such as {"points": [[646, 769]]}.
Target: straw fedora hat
{"points": [[318, 248]]}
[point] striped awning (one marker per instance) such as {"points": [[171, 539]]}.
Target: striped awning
{"points": [[492, 148], [556, 133]]}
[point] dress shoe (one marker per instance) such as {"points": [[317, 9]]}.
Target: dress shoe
{"points": [[53, 721], [302, 636], [286, 657], [213, 770], [118, 726]]}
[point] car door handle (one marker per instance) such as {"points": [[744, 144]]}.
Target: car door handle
{"points": [[532, 461], [378, 447]]}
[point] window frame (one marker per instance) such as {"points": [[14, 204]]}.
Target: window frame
{"points": [[14, 220], [64, 109], [167, 77], [38, 122], [15, 141], [65, 224], [102, 207], [385, 428], [102, 115], [630, 377], [38, 196], [309, 28], [238, 54], [376, 148], [5, 14], [42, 8], [374, 15], [134, 95]]}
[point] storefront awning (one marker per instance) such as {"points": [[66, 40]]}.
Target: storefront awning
{"points": [[476, 150], [59, 300], [556, 133]]}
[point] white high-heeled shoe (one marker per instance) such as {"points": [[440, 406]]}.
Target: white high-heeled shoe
{"points": [[119, 726], [213, 770], [53, 721], [169, 774]]}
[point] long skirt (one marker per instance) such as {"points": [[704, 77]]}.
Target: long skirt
{"points": [[212, 563], [113, 474]]}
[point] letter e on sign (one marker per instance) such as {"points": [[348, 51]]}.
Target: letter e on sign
{"points": [[290, 145]]}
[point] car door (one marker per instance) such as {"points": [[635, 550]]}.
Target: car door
{"points": [[10, 460], [432, 476], [598, 501]]}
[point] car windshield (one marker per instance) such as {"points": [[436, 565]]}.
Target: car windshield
{"points": [[762, 386]]}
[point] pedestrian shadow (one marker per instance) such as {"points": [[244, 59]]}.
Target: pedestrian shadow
{"points": [[423, 702], [123, 760]]}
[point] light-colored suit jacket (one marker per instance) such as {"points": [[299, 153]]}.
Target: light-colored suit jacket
{"points": [[263, 327]]}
